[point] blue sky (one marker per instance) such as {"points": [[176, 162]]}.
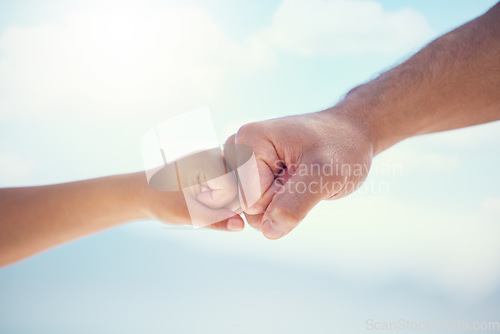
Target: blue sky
{"points": [[81, 82]]}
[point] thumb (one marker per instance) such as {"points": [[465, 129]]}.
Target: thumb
{"points": [[291, 204]]}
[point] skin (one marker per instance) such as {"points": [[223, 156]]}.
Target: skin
{"points": [[36, 218], [451, 83]]}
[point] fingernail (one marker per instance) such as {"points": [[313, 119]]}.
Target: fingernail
{"points": [[270, 230], [234, 224]]}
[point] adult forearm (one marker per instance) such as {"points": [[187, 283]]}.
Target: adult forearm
{"points": [[451, 83]]}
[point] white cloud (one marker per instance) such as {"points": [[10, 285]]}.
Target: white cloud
{"points": [[14, 169], [343, 27], [130, 59], [374, 240], [470, 137], [456, 252], [491, 205], [412, 160]]}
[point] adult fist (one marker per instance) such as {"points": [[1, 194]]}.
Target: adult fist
{"points": [[302, 160]]}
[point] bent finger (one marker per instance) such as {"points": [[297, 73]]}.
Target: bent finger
{"points": [[232, 224]]}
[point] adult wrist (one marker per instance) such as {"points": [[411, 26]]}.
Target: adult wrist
{"points": [[370, 111], [353, 115]]}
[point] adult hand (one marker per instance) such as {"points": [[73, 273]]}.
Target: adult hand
{"points": [[302, 160], [437, 89]]}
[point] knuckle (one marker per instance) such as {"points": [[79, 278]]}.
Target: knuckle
{"points": [[230, 140], [247, 132]]}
